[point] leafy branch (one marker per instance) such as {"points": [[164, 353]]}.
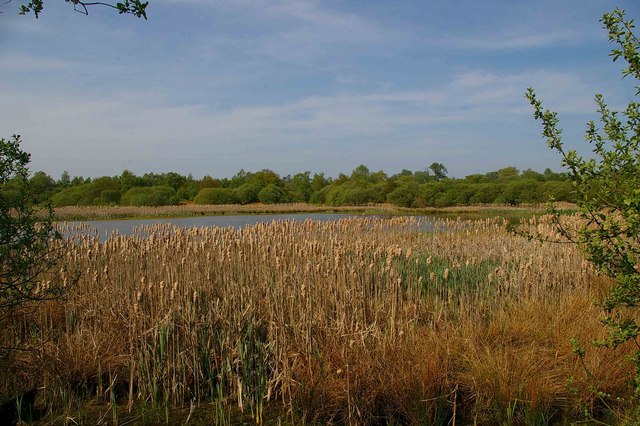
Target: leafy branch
{"points": [[137, 8]]}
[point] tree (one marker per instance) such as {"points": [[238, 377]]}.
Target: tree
{"points": [[607, 191], [216, 196], [27, 246], [439, 170], [300, 187], [134, 7], [361, 172], [65, 180], [272, 194], [508, 172]]}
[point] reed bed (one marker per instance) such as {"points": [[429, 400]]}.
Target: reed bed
{"points": [[357, 321], [123, 212]]}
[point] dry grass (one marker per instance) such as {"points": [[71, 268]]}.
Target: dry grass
{"points": [[121, 212], [356, 321]]}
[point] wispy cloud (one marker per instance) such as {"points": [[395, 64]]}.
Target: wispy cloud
{"points": [[301, 30], [13, 23], [211, 86], [140, 131], [316, 32], [12, 62], [513, 40]]}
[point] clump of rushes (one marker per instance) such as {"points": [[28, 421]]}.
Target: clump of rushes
{"points": [[360, 321]]}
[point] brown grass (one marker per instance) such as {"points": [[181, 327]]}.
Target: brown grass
{"points": [[121, 212], [353, 321]]}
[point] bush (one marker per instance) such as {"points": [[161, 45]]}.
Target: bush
{"points": [[273, 194], [320, 196], [149, 196], [110, 196], [560, 190], [404, 195], [486, 193], [248, 193], [352, 194], [607, 191], [26, 249], [519, 192], [429, 192], [216, 196], [453, 193], [88, 194]]}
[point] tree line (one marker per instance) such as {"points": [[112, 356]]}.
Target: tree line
{"points": [[430, 187]]}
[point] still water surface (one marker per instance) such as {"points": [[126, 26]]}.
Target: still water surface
{"points": [[104, 228]]}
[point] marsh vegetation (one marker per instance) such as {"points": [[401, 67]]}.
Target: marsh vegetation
{"points": [[359, 321]]}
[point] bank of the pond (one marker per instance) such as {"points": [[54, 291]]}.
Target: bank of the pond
{"points": [[85, 213]]}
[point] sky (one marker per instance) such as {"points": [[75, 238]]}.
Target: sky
{"points": [[209, 87]]}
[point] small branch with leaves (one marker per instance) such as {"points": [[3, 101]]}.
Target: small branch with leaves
{"points": [[137, 8]]}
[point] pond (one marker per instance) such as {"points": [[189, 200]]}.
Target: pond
{"points": [[104, 228]]}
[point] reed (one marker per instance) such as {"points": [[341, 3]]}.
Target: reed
{"points": [[187, 210], [357, 321], [69, 213]]}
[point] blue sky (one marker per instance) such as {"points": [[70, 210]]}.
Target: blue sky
{"points": [[210, 87]]}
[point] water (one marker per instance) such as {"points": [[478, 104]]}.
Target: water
{"points": [[104, 228]]}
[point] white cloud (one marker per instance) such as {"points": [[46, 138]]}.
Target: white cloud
{"points": [[513, 39], [23, 62], [299, 31], [314, 32], [11, 22], [141, 131]]}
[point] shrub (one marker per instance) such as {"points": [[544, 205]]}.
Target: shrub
{"points": [[351, 194], [27, 246], [216, 196], [320, 196], [248, 192], [149, 196], [273, 194], [486, 193], [404, 195], [526, 191], [608, 194], [87, 194]]}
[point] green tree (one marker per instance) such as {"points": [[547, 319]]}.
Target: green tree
{"points": [[149, 196], [319, 181], [607, 190], [248, 193], [508, 172], [439, 170], [404, 195], [65, 180], [87, 194], [209, 182], [272, 194], [361, 172], [522, 191], [26, 240], [216, 196], [300, 187], [128, 180]]}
